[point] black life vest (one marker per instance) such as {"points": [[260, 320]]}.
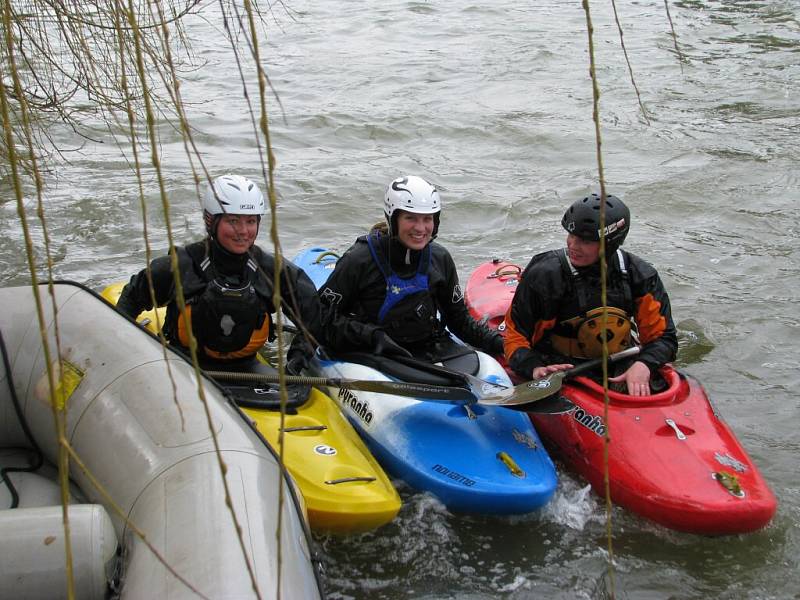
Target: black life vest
{"points": [[582, 336], [229, 318]]}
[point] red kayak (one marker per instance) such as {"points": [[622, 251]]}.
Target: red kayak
{"points": [[671, 458]]}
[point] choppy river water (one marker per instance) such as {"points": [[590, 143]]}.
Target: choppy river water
{"points": [[492, 102]]}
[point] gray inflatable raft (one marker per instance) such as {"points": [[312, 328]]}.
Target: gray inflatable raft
{"points": [[149, 445]]}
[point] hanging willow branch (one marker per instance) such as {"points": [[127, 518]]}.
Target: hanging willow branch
{"points": [[113, 59], [603, 290], [179, 293], [681, 58], [68, 67], [628, 62]]}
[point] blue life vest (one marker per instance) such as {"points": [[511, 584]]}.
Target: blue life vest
{"points": [[408, 313]]}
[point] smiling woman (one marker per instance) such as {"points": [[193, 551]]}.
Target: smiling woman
{"points": [[232, 211], [414, 231], [396, 291], [227, 283], [236, 233]]}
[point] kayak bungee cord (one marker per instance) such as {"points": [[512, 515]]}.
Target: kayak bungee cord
{"points": [[39, 460]]}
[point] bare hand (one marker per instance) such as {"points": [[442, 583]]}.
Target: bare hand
{"points": [[637, 378], [540, 372]]}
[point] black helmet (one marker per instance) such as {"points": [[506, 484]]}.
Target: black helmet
{"points": [[583, 219]]}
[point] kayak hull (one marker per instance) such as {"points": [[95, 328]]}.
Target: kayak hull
{"points": [[692, 476], [317, 262], [671, 458], [475, 459]]}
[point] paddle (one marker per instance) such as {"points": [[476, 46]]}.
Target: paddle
{"points": [[479, 392], [444, 393], [538, 389], [520, 397], [420, 391]]}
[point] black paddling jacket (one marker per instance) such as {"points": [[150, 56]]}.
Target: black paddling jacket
{"points": [[356, 291], [548, 295], [208, 273]]}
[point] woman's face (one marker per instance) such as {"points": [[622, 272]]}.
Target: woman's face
{"points": [[236, 233], [414, 231], [582, 253]]}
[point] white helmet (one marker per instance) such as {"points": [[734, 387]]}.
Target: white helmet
{"points": [[234, 195], [412, 194]]}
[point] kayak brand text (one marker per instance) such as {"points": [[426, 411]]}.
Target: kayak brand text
{"points": [[453, 475], [359, 407], [593, 423]]}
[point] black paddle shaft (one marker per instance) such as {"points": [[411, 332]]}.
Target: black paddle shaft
{"points": [[596, 362], [399, 388]]}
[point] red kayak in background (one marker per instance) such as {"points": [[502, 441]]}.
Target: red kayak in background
{"points": [[671, 458]]}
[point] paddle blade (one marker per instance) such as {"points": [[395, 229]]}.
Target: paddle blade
{"points": [[552, 405], [528, 393], [487, 392]]}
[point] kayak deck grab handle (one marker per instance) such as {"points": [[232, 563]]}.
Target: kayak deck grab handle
{"points": [[349, 480], [678, 433]]}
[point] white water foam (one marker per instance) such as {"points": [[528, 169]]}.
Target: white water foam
{"points": [[573, 506]]}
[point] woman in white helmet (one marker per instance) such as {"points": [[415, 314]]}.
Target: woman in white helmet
{"points": [[228, 285], [396, 290]]}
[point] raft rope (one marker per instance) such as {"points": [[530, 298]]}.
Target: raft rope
{"points": [[39, 458]]}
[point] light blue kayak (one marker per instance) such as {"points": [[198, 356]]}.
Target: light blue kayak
{"points": [[317, 262], [474, 458]]}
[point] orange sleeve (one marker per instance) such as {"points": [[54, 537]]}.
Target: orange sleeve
{"points": [[649, 319], [514, 340]]}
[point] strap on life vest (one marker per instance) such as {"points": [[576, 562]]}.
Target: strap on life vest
{"points": [[398, 288], [582, 336], [582, 288]]}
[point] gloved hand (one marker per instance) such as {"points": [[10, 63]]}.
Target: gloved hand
{"points": [[495, 346], [386, 346], [296, 363]]}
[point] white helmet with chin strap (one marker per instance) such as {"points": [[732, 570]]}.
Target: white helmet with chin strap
{"points": [[233, 195], [412, 194]]}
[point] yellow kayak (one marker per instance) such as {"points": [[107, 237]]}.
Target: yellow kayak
{"points": [[345, 490]]}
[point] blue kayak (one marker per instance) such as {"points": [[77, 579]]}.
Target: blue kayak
{"points": [[474, 458], [317, 262]]}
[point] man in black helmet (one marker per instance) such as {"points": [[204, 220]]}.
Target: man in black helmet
{"points": [[556, 317]]}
